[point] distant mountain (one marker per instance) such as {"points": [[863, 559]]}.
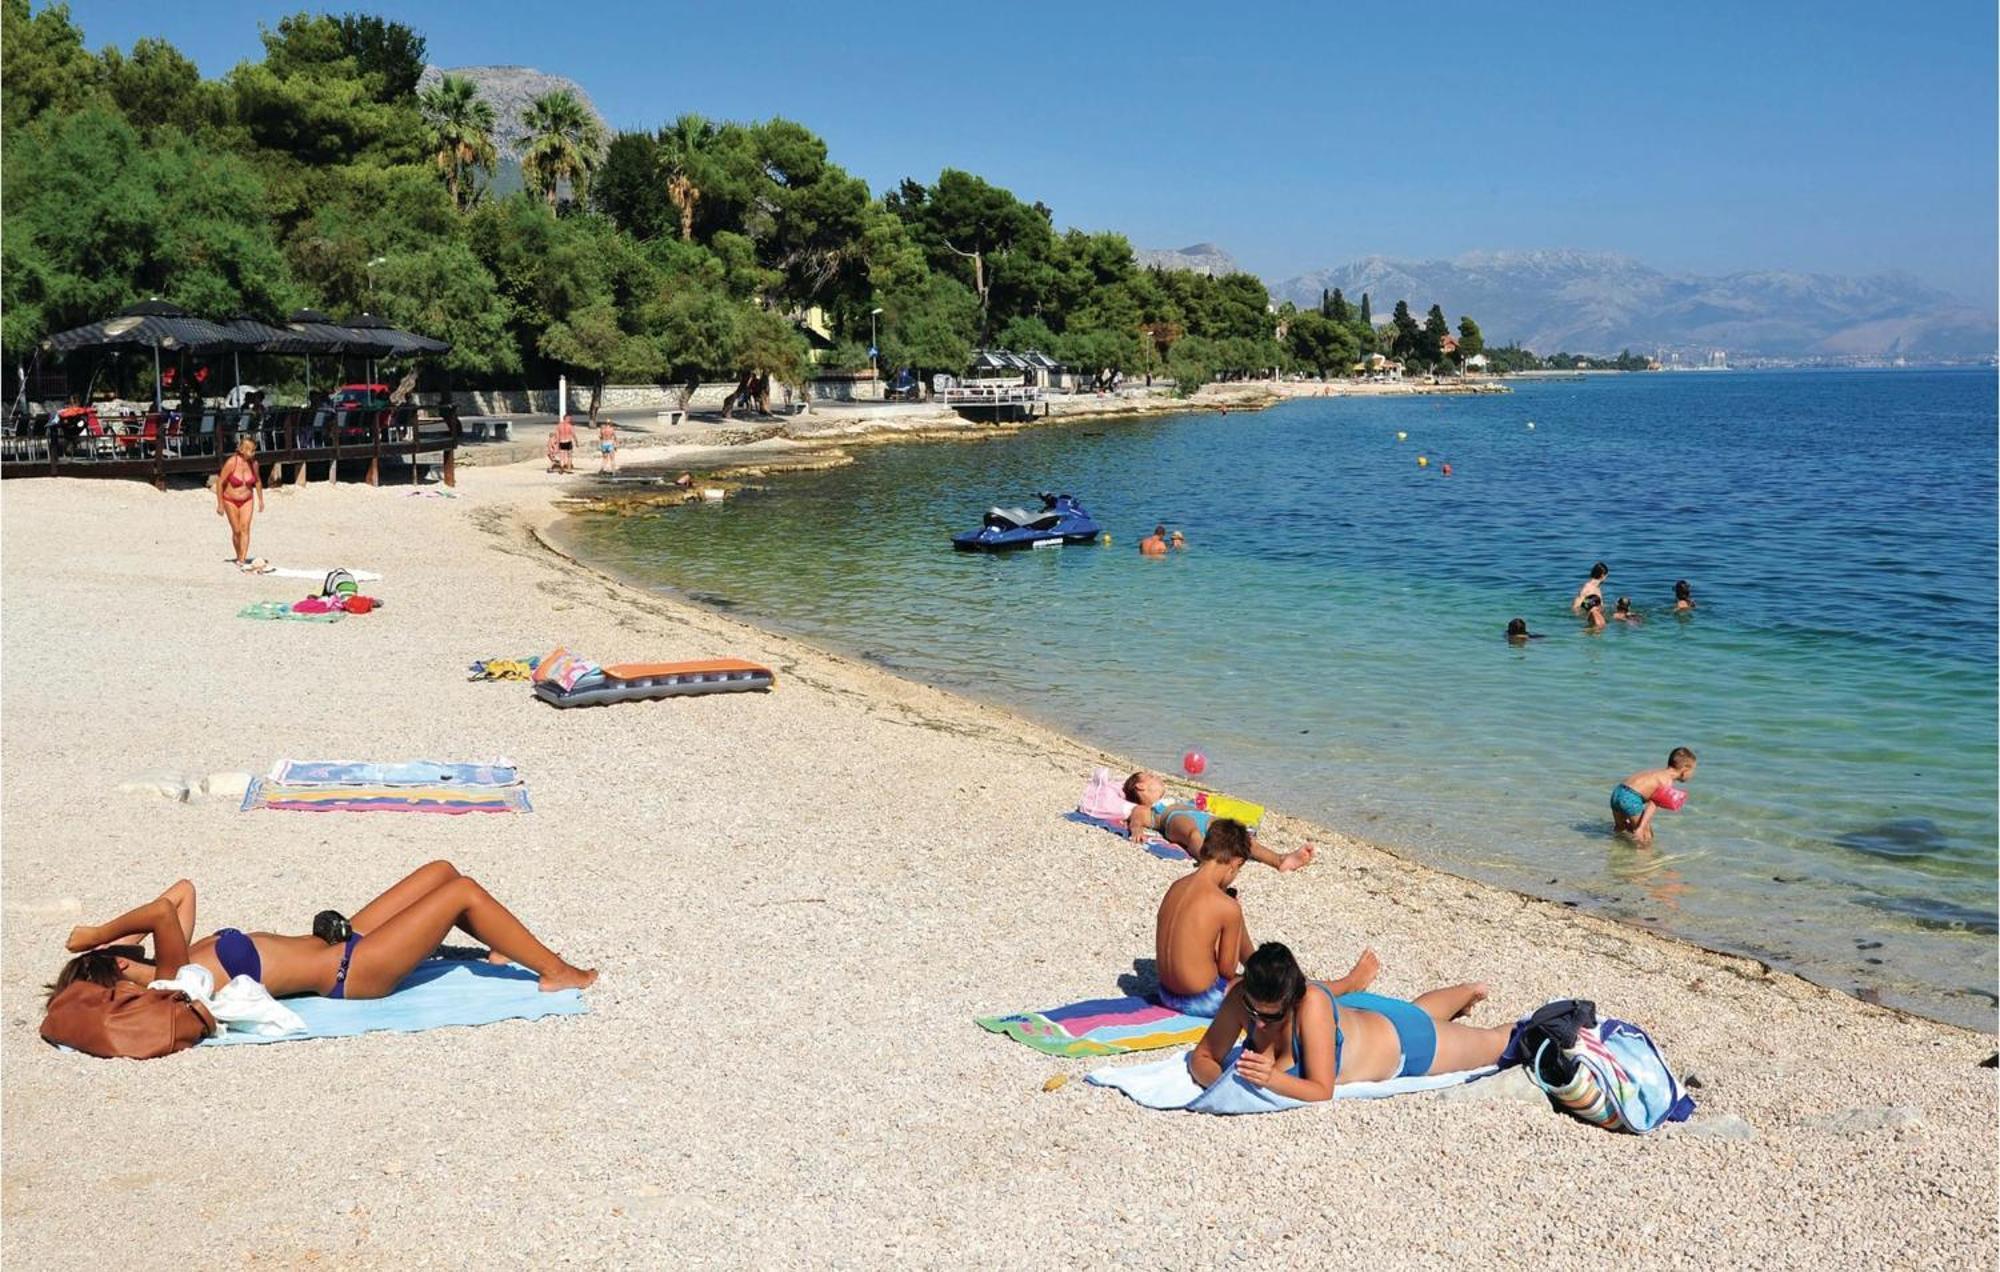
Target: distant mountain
{"points": [[1201, 258], [510, 89], [1600, 303]]}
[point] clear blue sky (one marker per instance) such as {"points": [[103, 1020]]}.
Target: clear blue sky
{"points": [[1827, 137]]}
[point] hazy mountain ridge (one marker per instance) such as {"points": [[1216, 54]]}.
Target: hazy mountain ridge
{"points": [[1601, 302], [1201, 258]]}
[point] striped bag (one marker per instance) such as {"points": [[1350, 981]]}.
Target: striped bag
{"points": [[1621, 1083]]}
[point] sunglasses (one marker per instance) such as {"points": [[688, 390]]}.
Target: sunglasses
{"points": [[1266, 1018]]}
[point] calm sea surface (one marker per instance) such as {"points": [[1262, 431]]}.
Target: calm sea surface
{"points": [[1332, 639]]}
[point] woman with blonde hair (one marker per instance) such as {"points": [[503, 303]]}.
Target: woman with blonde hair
{"points": [[235, 487]]}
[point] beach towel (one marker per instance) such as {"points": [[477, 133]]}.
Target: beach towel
{"points": [[439, 992], [1099, 1027], [494, 772], [1153, 844], [282, 610], [264, 793], [504, 668], [1167, 1084]]}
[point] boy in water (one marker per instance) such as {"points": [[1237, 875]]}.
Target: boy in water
{"points": [[1593, 613], [1183, 825], [1592, 587], [1200, 940], [1632, 804], [1623, 612]]}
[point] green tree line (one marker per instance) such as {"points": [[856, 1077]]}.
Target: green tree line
{"points": [[321, 176]]}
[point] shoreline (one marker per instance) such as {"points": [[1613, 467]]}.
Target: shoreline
{"points": [[798, 901]]}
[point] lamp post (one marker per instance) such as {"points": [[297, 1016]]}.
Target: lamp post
{"points": [[370, 267], [874, 356]]}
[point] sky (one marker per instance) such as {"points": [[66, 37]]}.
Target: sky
{"points": [[1833, 137]]}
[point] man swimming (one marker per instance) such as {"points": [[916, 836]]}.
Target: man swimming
{"points": [[1183, 825], [1632, 806]]}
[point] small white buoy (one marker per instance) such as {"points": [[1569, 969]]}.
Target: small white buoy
{"points": [[1531, 426], [712, 493]]}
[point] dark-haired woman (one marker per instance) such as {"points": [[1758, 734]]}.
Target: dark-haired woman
{"points": [[367, 957], [1303, 1039]]}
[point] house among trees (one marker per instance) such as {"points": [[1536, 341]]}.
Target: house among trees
{"points": [[1379, 367]]}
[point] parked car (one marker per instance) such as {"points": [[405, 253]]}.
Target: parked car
{"points": [[360, 397]]}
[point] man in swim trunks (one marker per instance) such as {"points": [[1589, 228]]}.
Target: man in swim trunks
{"points": [[1183, 825], [1632, 806], [566, 443], [1154, 544], [607, 447]]}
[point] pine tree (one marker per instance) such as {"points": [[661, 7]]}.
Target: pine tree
{"points": [[1339, 310], [1367, 318]]}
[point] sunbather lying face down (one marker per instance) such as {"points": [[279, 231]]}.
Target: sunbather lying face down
{"points": [[365, 957], [1183, 825], [1304, 1037]]}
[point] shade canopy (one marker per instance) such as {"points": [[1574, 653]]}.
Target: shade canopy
{"points": [[256, 335], [405, 342], [150, 324]]}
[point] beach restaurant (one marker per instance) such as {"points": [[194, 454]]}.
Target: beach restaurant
{"points": [[85, 432]]}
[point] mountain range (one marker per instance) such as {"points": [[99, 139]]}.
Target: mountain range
{"points": [[1600, 303], [1199, 258]]}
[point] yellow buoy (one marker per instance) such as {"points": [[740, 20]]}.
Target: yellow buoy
{"points": [[1105, 538], [1422, 462]]}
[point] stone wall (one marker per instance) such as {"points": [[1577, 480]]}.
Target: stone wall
{"points": [[651, 397]]}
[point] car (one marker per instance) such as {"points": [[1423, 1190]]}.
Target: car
{"points": [[360, 397]]}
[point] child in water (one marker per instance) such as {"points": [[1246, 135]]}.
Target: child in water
{"points": [[1183, 825], [1518, 633], [1592, 589], [1632, 805], [1593, 613], [1683, 597], [1623, 612]]}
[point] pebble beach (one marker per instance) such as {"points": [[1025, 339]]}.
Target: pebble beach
{"points": [[799, 901]]}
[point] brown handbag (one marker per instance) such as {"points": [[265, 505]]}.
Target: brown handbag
{"points": [[125, 1021]]}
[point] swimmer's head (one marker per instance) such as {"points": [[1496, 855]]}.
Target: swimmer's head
{"points": [[1227, 841], [1159, 532], [1624, 605], [1682, 591], [1682, 761], [1599, 570], [1517, 629], [1272, 983], [1145, 788]]}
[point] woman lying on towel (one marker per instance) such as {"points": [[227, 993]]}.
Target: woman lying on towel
{"points": [[366, 957], [1303, 1039]]}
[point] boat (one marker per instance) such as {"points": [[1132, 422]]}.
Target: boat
{"points": [[1061, 520]]}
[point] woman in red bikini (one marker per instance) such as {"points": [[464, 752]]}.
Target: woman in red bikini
{"points": [[234, 489], [363, 957]]}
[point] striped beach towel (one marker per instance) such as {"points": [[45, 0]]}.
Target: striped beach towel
{"points": [[282, 611], [265, 793], [1099, 1027], [496, 772]]}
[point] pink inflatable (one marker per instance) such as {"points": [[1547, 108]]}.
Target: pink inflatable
{"points": [[1670, 797]]}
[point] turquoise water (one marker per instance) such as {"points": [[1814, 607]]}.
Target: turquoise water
{"points": [[1332, 639]]}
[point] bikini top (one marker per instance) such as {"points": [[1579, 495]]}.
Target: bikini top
{"points": [[1298, 1052]]}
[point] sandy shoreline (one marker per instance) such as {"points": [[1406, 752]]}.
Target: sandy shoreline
{"points": [[799, 901]]}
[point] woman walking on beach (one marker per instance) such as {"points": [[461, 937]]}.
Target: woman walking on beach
{"points": [[1305, 1038], [235, 487], [365, 957]]}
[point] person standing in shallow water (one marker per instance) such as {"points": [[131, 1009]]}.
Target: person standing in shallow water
{"points": [[1592, 587], [1683, 597], [1154, 544], [235, 486]]}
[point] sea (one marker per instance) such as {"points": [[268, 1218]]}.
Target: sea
{"points": [[1331, 640]]}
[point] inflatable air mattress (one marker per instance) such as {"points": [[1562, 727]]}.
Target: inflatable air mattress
{"points": [[633, 682]]}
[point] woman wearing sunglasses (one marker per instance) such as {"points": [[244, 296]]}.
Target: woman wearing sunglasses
{"points": [[1303, 1038]]}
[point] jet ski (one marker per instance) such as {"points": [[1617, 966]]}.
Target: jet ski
{"points": [[1061, 520]]}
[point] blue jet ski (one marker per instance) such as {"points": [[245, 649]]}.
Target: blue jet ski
{"points": [[1061, 520]]}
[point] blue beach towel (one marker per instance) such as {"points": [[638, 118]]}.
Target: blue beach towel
{"points": [[438, 993], [1155, 845], [406, 773], [1167, 1084]]}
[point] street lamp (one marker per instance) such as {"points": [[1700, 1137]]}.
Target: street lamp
{"points": [[874, 355]]}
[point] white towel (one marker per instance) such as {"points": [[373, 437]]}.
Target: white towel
{"points": [[289, 572], [1167, 1084], [243, 1004]]}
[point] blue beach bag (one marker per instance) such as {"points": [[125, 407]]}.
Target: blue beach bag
{"points": [[1621, 1081]]}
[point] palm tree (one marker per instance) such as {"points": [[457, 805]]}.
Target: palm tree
{"points": [[565, 143], [458, 127], [684, 146]]}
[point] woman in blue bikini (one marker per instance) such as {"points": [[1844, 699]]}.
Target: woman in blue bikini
{"points": [[1304, 1039], [366, 957]]}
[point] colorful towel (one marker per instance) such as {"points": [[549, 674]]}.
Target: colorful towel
{"points": [[1099, 1027], [1155, 845], [276, 610], [504, 668], [495, 772], [264, 793], [439, 992], [1167, 1084]]}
